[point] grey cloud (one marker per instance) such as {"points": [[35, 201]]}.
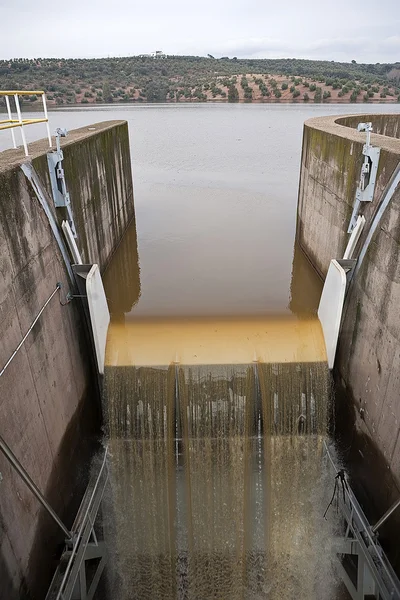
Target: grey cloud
{"points": [[361, 29]]}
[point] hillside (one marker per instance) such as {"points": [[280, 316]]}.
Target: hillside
{"points": [[194, 79]]}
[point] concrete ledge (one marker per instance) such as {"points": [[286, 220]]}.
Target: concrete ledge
{"points": [[345, 127], [14, 158], [386, 125]]}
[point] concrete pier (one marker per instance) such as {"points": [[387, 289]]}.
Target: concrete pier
{"points": [[47, 404], [367, 364]]}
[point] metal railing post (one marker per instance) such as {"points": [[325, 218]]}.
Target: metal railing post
{"points": [[46, 117], [21, 124], [10, 117]]}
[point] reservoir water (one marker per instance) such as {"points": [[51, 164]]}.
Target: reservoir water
{"points": [[228, 170]]}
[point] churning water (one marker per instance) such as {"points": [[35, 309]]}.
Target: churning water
{"points": [[217, 486]]}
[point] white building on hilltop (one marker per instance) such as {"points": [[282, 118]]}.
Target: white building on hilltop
{"points": [[156, 54]]}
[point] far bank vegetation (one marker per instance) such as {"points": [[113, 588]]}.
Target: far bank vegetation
{"points": [[140, 79]]}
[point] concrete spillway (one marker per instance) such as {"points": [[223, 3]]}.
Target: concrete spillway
{"points": [[217, 487], [215, 341]]}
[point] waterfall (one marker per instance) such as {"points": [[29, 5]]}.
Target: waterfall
{"points": [[217, 486]]}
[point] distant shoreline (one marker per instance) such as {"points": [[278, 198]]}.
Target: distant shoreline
{"points": [[38, 107]]}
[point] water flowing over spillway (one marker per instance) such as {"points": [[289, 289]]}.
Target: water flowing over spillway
{"points": [[217, 489]]}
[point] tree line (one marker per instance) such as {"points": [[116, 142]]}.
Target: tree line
{"points": [[178, 78]]}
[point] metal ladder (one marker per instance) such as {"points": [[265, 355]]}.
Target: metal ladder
{"points": [[70, 581], [362, 565]]}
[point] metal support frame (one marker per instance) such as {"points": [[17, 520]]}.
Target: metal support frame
{"points": [[366, 186], [57, 179], [375, 577], [32, 176], [387, 195], [70, 581]]}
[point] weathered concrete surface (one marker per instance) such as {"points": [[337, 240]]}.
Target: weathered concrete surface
{"points": [[99, 179], [44, 388], [388, 125], [330, 169], [368, 359]]}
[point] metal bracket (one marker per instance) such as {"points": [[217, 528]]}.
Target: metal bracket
{"points": [[348, 265], [366, 185], [57, 179]]}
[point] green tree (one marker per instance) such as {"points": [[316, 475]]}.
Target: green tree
{"points": [[353, 97], [285, 86], [306, 97], [107, 95], [233, 94], [248, 94], [318, 95], [296, 93], [156, 91]]}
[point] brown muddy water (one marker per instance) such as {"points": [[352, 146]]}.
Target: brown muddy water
{"points": [[217, 485], [217, 390]]}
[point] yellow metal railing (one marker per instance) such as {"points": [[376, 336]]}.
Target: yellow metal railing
{"points": [[11, 123]]}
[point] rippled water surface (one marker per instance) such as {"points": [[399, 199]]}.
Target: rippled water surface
{"points": [[215, 197]]}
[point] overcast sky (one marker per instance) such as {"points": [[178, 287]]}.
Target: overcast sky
{"points": [[364, 30]]}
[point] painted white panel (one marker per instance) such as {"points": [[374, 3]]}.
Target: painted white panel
{"points": [[330, 308], [99, 313], [355, 236]]}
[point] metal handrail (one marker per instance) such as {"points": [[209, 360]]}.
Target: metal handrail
{"points": [[78, 536], [380, 567], [32, 325], [10, 456], [11, 123]]}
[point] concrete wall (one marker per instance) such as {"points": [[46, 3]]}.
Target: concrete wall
{"points": [[368, 359], [388, 125], [47, 402]]}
